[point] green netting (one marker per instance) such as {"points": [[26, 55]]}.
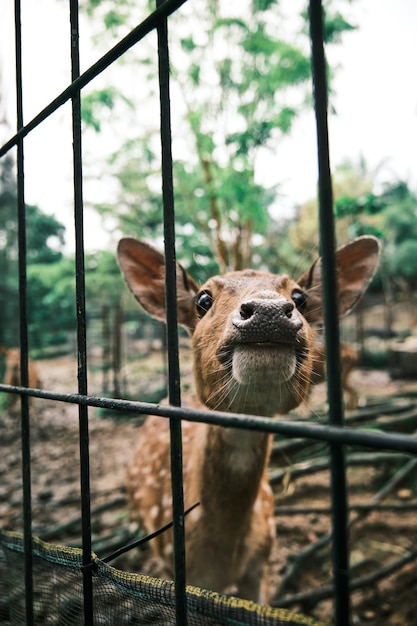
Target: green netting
{"points": [[118, 597]]}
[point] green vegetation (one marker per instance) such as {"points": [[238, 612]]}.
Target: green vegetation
{"points": [[239, 83]]}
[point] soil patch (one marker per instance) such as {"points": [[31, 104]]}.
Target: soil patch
{"points": [[379, 537]]}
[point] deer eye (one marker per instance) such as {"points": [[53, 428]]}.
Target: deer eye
{"points": [[300, 299], [204, 302]]}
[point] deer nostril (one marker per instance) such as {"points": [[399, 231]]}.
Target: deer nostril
{"points": [[288, 308], [247, 309]]}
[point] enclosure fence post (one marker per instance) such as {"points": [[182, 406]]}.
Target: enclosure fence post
{"points": [[172, 329], [81, 322], [331, 318], [23, 328]]}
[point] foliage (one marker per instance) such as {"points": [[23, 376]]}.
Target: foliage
{"points": [[102, 279], [395, 217], [44, 234], [239, 81], [8, 249], [44, 242], [388, 212], [50, 275], [52, 287], [362, 207], [44, 245], [97, 103]]}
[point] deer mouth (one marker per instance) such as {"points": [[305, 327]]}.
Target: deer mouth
{"points": [[262, 363]]}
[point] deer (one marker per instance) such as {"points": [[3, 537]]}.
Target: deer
{"points": [[12, 373], [348, 359], [252, 341]]}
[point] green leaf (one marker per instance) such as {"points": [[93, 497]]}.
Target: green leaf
{"points": [[188, 44], [335, 26], [262, 5]]}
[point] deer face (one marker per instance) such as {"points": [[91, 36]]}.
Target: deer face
{"points": [[251, 343]]}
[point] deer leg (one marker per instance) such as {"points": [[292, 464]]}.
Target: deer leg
{"points": [[352, 397], [254, 583]]}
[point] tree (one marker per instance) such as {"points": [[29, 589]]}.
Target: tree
{"points": [[387, 211], [396, 208], [8, 256], [51, 295], [44, 241], [239, 80], [363, 206], [51, 301]]}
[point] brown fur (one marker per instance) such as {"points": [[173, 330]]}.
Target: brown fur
{"points": [[348, 359], [12, 373]]}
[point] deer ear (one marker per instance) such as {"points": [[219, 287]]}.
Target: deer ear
{"points": [[143, 269], [356, 264]]}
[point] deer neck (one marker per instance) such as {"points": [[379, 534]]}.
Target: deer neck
{"points": [[228, 466]]}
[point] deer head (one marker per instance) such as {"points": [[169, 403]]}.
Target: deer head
{"points": [[251, 330]]}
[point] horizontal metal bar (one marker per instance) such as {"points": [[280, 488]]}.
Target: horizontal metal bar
{"points": [[366, 508], [138, 33], [279, 426]]}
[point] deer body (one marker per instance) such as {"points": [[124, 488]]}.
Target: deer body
{"points": [[12, 373], [348, 359], [229, 534], [253, 353]]}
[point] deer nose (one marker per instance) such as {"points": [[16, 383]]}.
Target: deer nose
{"points": [[265, 320]]}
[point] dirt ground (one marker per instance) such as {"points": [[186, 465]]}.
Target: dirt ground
{"points": [[379, 537]]}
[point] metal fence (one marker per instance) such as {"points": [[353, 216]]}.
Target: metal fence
{"points": [[335, 434]]}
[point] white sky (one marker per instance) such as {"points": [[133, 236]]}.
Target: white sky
{"points": [[376, 102]]}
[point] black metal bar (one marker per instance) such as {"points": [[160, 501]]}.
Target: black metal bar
{"points": [[331, 316], [23, 327], [287, 428], [172, 328], [81, 320], [144, 28], [143, 540]]}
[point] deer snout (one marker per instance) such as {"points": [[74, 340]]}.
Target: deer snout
{"points": [[261, 320]]}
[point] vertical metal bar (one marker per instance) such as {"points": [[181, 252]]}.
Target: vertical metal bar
{"points": [[172, 329], [23, 321], [331, 316], [81, 321]]}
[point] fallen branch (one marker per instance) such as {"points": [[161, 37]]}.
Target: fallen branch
{"points": [[75, 522], [113, 541], [75, 498], [296, 560], [322, 463], [366, 417], [322, 510], [310, 598], [401, 423]]}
